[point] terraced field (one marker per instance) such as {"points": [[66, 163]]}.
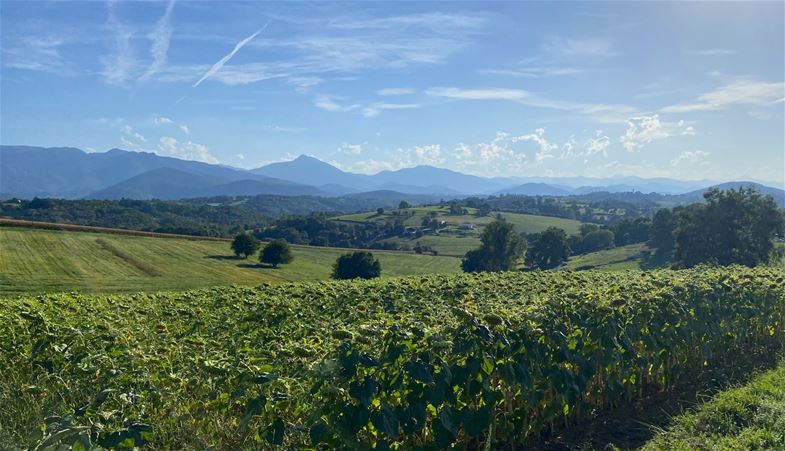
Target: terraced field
{"points": [[35, 260]]}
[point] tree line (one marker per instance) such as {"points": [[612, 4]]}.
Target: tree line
{"points": [[730, 227]]}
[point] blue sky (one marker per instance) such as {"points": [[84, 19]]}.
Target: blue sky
{"points": [[683, 90]]}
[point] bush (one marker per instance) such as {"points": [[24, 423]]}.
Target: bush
{"points": [[356, 265]]}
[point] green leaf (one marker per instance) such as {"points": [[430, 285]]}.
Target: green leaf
{"points": [[275, 431]]}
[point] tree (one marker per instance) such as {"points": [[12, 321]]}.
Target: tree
{"points": [[549, 250], [663, 227], [501, 249], [380, 211], [403, 205], [731, 227], [245, 244], [596, 241], [276, 252], [359, 264]]}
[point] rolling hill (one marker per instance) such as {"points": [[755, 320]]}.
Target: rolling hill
{"points": [[36, 261]]}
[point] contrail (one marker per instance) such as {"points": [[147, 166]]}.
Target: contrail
{"points": [[217, 66]]}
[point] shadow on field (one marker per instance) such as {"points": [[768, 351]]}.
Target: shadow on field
{"points": [[256, 266], [224, 257]]}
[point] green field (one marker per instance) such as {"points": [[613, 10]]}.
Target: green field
{"points": [[748, 417], [452, 241], [617, 258], [481, 361], [33, 260]]}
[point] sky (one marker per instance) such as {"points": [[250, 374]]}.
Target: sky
{"points": [[689, 90]]}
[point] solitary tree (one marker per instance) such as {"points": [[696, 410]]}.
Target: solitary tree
{"points": [[245, 244], [276, 252], [550, 250], [501, 249], [357, 265], [403, 205], [380, 211]]}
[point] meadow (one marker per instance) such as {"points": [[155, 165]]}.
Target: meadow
{"points": [[37, 261], [470, 361], [452, 240]]}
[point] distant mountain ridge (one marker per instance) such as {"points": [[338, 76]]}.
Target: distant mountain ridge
{"points": [[71, 173]]}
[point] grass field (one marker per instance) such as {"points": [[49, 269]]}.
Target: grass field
{"points": [[34, 261], [522, 223], [748, 417], [449, 242], [618, 258]]}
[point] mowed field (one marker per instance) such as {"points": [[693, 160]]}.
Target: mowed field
{"points": [[452, 241], [36, 261]]}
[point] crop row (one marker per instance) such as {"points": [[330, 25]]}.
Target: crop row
{"points": [[430, 362]]}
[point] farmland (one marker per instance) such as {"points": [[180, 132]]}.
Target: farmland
{"points": [[472, 360], [34, 260], [453, 240]]}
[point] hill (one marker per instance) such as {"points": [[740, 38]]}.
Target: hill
{"points": [[70, 173], [38, 261], [171, 184], [460, 232]]}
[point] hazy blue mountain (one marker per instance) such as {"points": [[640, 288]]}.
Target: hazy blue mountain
{"points": [[426, 176], [536, 189], [417, 180], [171, 184], [70, 173], [312, 171]]}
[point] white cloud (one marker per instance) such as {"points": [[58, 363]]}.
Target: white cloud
{"points": [[160, 37], [710, 52], [395, 91], [161, 120], [598, 144], [184, 128], [740, 92], [217, 66], [350, 149], [376, 108], [478, 94], [169, 146], [642, 130], [329, 103], [690, 157], [580, 48], [400, 158], [131, 133], [240, 156], [546, 148], [596, 111]]}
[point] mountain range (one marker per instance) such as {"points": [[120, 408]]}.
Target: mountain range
{"points": [[71, 173]]}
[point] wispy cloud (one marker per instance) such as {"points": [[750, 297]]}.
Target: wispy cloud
{"points": [[329, 103], [160, 37], [118, 68], [477, 94], [579, 48], [161, 120], [710, 52], [376, 108], [395, 91], [740, 92], [606, 113], [217, 66]]}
